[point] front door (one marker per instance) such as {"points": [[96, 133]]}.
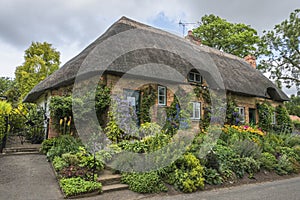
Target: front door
{"points": [[133, 98]]}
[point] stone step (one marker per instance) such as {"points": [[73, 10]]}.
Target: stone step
{"points": [[109, 179], [115, 187], [20, 149], [19, 153]]}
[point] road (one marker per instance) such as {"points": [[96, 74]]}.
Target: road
{"points": [[30, 177], [27, 177], [288, 189]]}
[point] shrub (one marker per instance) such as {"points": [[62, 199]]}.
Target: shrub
{"points": [[47, 145], [284, 166], [284, 122], [149, 129], [76, 186], [268, 161], [59, 163], [212, 177], [63, 144], [148, 182], [186, 174], [246, 148]]}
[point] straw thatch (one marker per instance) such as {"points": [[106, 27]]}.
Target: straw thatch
{"points": [[238, 76]]}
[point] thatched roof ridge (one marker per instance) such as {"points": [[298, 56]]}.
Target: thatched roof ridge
{"points": [[238, 75]]}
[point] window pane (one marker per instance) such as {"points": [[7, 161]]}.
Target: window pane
{"points": [[191, 76], [198, 78], [162, 95]]}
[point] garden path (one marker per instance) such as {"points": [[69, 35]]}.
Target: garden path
{"points": [[27, 177]]}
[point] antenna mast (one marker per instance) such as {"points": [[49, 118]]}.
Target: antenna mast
{"points": [[183, 24]]}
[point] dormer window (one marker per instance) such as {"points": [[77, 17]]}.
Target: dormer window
{"points": [[195, 77]]}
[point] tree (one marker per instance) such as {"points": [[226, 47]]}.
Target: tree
{"points": [[293, 106], [280, 52], [5, 84], [238, 39], [41, 60]]}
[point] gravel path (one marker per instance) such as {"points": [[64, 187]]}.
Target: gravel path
{"points": [[27, 177]]}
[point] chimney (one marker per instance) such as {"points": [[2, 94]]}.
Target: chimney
{"points": [[192, 38], [251, 60]]}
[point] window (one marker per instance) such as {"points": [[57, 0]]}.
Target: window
{"points": [[196, 110], [241, 111], [195, 77], [162, 95], [273, 118]]}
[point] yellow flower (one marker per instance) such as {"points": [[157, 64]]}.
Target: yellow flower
{"points": [[61, 121], [69, 123]]}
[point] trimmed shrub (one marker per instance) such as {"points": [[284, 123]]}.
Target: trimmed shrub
{"points": [[148, 182]]}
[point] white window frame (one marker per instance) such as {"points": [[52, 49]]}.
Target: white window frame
{"points": [[196, 110], [241, 111], [273, 118], [164, 96], [194, 77]]}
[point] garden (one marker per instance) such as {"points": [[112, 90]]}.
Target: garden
{"points": [[242, 150]]}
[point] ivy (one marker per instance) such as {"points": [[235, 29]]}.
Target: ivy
{"points": [[265, 112], [283, 121], [231, 114], [148, 100], [61, 107]]}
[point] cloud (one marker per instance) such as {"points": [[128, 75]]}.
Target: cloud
{"points": [[71, 25]]}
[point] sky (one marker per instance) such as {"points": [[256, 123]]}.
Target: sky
{"points": [[71, 25]]}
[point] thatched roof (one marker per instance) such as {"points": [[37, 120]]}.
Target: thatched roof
{"points": [[167, 49]]}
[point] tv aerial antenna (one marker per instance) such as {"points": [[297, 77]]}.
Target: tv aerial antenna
{"points": [[184, 24]]}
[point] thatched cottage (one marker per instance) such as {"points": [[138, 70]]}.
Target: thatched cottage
{"points": [[145, 44]]}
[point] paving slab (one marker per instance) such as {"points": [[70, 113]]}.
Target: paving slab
{"points": [[27, 177]]}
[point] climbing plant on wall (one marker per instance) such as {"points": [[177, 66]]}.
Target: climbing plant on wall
{"points": [[283, 121], [265, 112], [148, 100]]}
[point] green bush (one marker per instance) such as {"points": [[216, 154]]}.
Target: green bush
{"points": [[76, 186], [284, 166], [247, 148], [59, 163], [47, 145], [212, 177], [268, 161], [186, 174], [64, 144], [148, 182]]}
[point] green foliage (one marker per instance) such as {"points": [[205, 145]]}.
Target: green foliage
{"points": [[279, 49], [63, 144], [148, 144], [148, 182], [247, 148], [284, 166], [283, 120], [41, 60], [293, 106], [268, 161], [231, 118], [148, 100], [76, 186], [238, 39], [5, 84], [186, 174], [265, 112], [60, 107], [59, 163], [47, 145], [112, 130], [149, 129], [212, 177]]}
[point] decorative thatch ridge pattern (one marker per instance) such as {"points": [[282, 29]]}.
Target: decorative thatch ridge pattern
{"points": [[238, 76]]}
